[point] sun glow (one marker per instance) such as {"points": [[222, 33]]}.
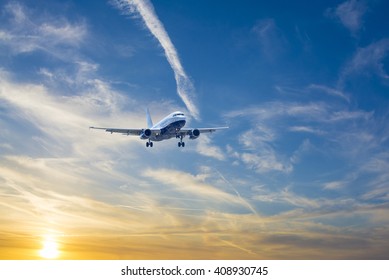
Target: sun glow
{"points": [[50, 249]]}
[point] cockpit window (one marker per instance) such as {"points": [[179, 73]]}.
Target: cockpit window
{"points": [[178, 114]]}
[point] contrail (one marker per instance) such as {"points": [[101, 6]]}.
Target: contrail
{"points": [[146, 10], [237, 193]]}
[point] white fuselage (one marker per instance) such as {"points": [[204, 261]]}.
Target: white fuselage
{"points": [[169, 126]]}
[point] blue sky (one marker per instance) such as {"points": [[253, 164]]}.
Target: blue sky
{"points": [[302, 173]]}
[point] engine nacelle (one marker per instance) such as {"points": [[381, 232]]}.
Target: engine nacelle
{"points": [[194, 134], [146, 133]]}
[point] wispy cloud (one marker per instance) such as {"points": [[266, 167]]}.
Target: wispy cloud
{"points": [[334, 185], [350, 13], [366, 61], [306, 129], [287, 196], [304, 148], [273, 42], [314, 88], [205, 147], [272, 123], [190, 185], [146, 11], [261, 155], [377, 167], [329, 91], [27, 33], [70, 117], [265, 161]]}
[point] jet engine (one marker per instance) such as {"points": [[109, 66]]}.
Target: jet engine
{"points": [[194, 134], [146, 133]]}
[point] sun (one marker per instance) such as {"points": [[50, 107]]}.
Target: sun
{"points": [[50, 249]]}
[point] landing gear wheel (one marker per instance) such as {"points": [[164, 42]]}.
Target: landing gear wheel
{"points": [[181, 144], [149, 144]]}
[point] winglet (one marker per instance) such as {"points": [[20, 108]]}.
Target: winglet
{"points": [[148, 119]]}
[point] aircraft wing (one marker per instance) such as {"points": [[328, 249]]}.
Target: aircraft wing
{"points": [[124, 131], [189, 131]]}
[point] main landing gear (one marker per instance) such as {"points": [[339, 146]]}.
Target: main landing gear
{"points": [[149, 144], [180, 144]]}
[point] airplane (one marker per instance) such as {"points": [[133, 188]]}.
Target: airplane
{"points": [[169, 127]]}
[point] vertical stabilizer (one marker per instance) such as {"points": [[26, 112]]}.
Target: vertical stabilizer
{"points": [[148, 119]]}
